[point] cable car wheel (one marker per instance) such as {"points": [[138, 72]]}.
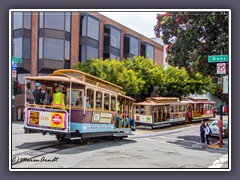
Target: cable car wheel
{"points": [[60, 138]]}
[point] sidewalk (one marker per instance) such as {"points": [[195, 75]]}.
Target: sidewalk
{"points": [[214, 146]]}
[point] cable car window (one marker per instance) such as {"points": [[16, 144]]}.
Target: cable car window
{"points": [[175, 108], [137, 109], [183, 108], [113, 103], [90, 98], [147, 110], [172, 109], [76, 97], [106, 101], [142, 110], [98, 100], [180, 109]]}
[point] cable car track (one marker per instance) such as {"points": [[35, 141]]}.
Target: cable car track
{"points": [[29, 155]]}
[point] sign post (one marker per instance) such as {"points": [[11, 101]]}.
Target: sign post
{"points": [[15, 60]]}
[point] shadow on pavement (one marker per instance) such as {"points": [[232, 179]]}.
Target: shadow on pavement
{"points": [[193, 142]]}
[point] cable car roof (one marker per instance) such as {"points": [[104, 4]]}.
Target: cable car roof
{"points": [[152, 103], [67, 79]]}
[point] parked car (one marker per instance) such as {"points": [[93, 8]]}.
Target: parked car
{"points": [[215, 130]]}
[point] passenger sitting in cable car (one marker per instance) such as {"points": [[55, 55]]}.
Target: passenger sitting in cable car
{"points": [[88, 104]]}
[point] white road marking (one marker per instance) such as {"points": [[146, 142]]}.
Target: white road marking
{"points": [[219, 163]]}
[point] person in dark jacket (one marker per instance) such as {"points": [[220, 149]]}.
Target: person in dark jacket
{"points": [[39, 94], [202, 134]]}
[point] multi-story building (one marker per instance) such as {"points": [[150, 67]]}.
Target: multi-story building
{"points": [[47, 41]]}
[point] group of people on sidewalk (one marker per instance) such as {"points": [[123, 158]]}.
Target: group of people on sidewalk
{"points": [[204, 134]]}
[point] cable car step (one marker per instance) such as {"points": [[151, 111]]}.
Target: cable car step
{"points": [[120, 135], [161, 125], [75, 138]]}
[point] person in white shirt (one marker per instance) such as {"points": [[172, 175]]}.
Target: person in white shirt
{"points": [[207, 133]]}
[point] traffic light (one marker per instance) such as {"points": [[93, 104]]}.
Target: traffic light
{"points": [[219, 93], [17, 88]]}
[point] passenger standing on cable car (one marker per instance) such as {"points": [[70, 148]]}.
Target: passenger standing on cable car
{"points": [[59, 99], [39, 94]]}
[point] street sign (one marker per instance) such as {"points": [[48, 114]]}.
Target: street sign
{"points": [[218, 58], [14, 73], [14, 65], [221, 68], [19, 60]]}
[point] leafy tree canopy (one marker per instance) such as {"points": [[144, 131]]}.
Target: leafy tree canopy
{"points": [[138, 77], [192, 36]]}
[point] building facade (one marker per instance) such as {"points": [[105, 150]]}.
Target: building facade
{"points": [[47, 41]]}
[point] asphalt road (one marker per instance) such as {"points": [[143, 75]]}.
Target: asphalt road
{"points": [[172, 148]]}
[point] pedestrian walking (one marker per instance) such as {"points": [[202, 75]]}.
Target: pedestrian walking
{"points": [[207, 132], [202, 134]]}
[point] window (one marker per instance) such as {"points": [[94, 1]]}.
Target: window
{"points": [[76, 97], [106, 101], [112, 56], [113, 103], [150, 52], [147, 110], [115, 38], [183, 108], [83, 25], [91, 53], [180, 108], [99, 100], [67, 50], [175, 108], [17, 20], [131, 46], [134, 46], [54, 20], [68, 22], [112, 38], [137, 109], [90, 98], [41, 20], [93, 28], [27, 20], [17, 48], [53, 48], [142, 110], [40, 54], [26, 48], [143, 49]]}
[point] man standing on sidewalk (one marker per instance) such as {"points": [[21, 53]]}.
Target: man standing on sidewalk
{"points": [[202, 134]]}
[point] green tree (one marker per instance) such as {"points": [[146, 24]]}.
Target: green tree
{"points": [[147, 71], [177, 83], [115, 72], [192, 36], [138, 77]]}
